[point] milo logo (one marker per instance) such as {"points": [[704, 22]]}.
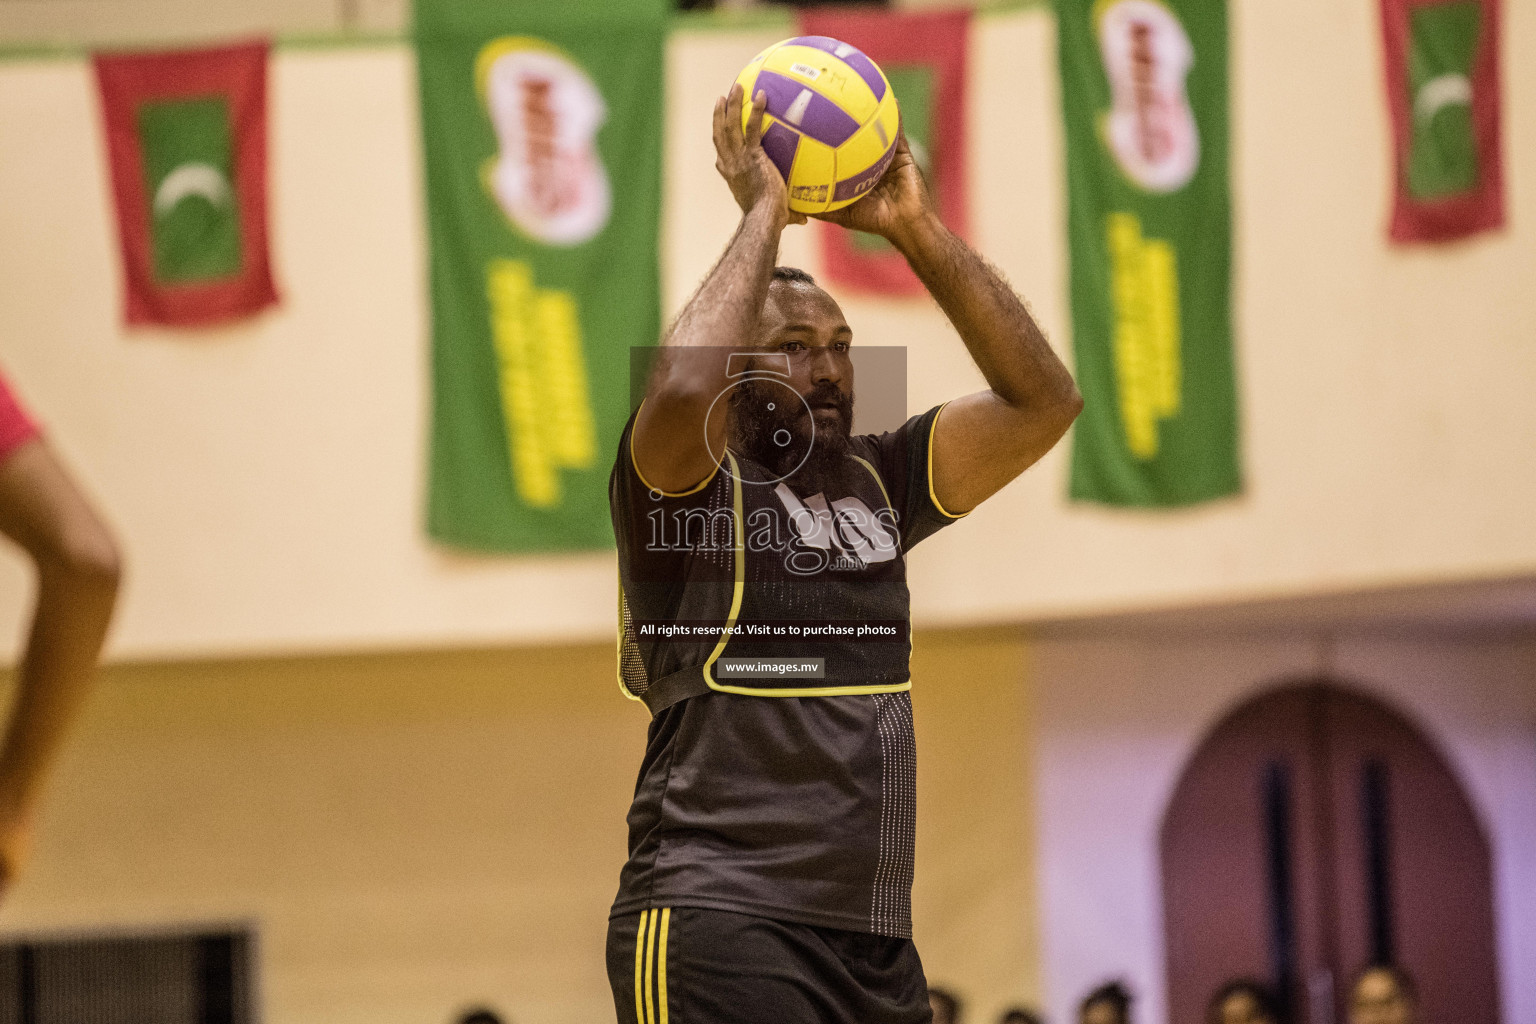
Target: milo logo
{"points": [[852, 187], [547, 176], [1150, 127]]}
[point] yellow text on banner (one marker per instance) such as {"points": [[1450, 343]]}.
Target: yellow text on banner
{"points": [[1145, 290], [542, 375]]}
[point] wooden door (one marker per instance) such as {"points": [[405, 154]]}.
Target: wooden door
{"points": [[1316, 831]]}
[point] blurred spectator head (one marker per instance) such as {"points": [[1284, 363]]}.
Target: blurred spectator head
{"points": [[1383, 994], [1243, 1001], [1107, 1004], [946, 1006], [479, 1015], [1019, 1015]]}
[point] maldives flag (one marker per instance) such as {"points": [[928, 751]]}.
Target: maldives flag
{"points": [[1443, 90], [923, 56], [187, 142]]}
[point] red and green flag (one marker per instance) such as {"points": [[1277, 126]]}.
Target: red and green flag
{"points": [[923, 56], [541, 126], [1443, 90], [1144, 103], [187, 143]]}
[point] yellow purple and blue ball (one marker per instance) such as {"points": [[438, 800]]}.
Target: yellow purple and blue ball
{"points": [[831, 122]]}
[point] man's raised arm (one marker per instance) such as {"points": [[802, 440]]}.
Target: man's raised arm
{"points": [[674, 447], [983, 440]]}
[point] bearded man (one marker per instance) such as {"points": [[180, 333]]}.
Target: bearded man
{"points": [[764, 614]]}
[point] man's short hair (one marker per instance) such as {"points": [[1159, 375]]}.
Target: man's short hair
{"points": [[1261, 994], [793, 275], [1115, 994]]}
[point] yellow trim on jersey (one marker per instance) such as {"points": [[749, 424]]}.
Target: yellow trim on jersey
{"points": [[639, 975], [819, 691], [641, 476], [932, 496], [730, 623], [876, 474], [661, 965], [739, 537]]}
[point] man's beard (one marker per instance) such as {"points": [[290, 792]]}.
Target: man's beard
{"points": [[780, 437]]}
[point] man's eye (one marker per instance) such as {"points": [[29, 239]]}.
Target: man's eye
{"points": [[791, 346], [841, 346]]}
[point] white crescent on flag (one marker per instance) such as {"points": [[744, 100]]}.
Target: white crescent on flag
{"points": [[1440, 92], [193, 179]]}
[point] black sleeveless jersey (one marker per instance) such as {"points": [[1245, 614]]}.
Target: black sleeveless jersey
{"points": [[768, 632]]}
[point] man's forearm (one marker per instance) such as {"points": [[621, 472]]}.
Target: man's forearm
{"points": [[725, 309], [671, 451], [999, 332]]}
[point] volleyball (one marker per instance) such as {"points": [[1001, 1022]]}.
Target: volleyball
{"points": [[831, 122]]}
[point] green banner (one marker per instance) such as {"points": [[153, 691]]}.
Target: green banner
{"points": [[1442, 151], [1144, 97], [541, 125]]}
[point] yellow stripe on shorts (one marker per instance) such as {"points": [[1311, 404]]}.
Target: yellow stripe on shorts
{"points": [[640, 977], [651, 966], [661, 966]]}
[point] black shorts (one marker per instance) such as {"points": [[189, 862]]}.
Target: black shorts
{"points": [[684, 965]]}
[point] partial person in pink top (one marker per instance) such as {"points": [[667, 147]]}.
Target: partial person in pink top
{"points": [[78, 567]]}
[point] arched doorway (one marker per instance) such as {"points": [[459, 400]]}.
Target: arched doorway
{"points": [[1316, 831]]}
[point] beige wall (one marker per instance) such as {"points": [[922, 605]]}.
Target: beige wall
{"points": [[974, 903], [267, 477], [410, 832]]}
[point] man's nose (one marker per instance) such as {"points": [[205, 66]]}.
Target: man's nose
{"points": [[825, 367]]}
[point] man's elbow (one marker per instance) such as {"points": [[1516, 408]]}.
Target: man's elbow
{"points": [[1071, 403], [1063, 408], [1039, 426], [683, 392], [687, 378]]}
